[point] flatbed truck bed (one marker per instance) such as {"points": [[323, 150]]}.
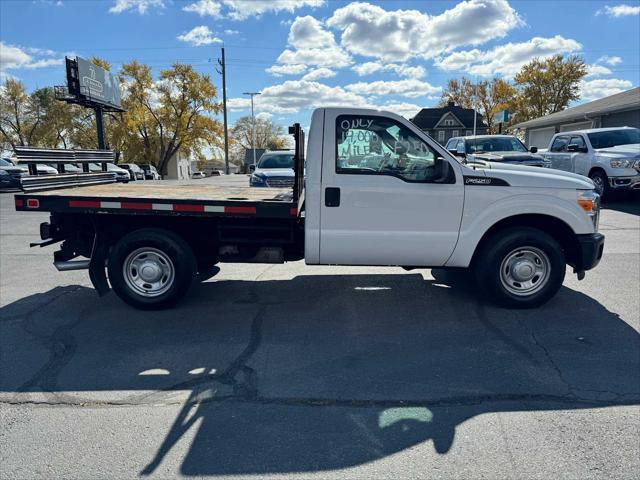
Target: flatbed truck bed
{"points": [[162, 199]]}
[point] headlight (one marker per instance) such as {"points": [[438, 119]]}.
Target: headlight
{"points": [[4, 172], [257, 180], [622, 163], [589, 201]]}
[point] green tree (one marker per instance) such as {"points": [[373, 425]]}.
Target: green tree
{"points": [[171, 114], [548, 86], [20, 115], [268, 134], [487, 97]]}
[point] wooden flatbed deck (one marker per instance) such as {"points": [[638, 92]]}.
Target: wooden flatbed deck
{"points": [[210, 200]]}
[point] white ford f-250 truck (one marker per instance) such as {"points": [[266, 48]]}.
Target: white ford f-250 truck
{"points": [[378, 191], [608, 156]]}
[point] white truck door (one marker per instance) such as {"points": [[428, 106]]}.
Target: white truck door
{"points": [[560, 158], [581, 160], [389, 194]]}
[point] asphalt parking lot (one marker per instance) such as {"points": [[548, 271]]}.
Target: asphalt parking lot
{"points": [[290, 371]]}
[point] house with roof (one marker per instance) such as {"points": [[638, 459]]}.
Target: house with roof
{"points": [[449, 121], [619, 110]]}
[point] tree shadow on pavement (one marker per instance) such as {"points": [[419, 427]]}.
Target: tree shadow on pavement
{"points": [[625, 202], [318, 372]]}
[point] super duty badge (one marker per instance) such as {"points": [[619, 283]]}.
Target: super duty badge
{"points": [[494, 182]]}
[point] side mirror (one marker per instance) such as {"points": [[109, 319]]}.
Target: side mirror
{"points": [[533, 149], [252, 168], [575, 148], [459, 153]]}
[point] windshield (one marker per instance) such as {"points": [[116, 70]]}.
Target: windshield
{"points": [[495, 144], [6, 163], [611, 138], [276, 161]]}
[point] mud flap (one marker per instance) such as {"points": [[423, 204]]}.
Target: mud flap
{"points": [[97, 267]]}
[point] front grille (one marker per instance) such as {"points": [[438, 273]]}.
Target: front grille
{"points": [[280, 182]]}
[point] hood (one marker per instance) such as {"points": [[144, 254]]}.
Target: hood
{"points": [[536, 177], [630, 150], [274, 172], [510, 157], [13, 169]]}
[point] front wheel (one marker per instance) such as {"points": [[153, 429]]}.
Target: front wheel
{"points": [[601, 182], [151, 268], [520, 267]]}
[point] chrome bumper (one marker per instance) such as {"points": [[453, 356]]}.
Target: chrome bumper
{"points": [[625, 183]]}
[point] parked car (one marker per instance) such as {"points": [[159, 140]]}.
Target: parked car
{"points": [[215, 173], [610, 157], [135, 172], [10, 174], [274, 169], [198, 175], [495, 148], [150, 172], [122, 175]]}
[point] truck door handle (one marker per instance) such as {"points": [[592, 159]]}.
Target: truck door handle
{"points": [[332, 197]]}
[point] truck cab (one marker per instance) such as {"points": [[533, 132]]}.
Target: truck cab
{"points": [[610, 157]]}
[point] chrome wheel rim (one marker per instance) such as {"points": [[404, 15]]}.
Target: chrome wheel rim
{"points": [[149, 272], [525, 271], [599, 184]]}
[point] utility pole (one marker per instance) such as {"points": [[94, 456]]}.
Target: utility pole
{"points": [[223, 66], [475, 101], [253, 122]]}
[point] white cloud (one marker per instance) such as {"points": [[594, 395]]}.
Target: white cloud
{"points": [[398, 35], [310, 45], [622, 10], [407, 110], [596, 70], [231, 32], [204, 8], [279, 70], [610, 60], [140, 5], [406, 88], [243, 9], [318, 73], [507, 59], [294, 95], [403, 70], [264, 116], [13, 57], [594, 89], [199, 36]]}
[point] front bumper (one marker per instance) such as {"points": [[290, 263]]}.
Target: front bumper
{"points": [[589, 251], [625, 183]]}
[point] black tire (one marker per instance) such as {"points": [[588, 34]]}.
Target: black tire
{"points": [[601, 181], [171, 251], [518, 247]]}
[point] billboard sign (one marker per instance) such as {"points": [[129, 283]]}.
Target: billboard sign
{"points": [[92, 83]]}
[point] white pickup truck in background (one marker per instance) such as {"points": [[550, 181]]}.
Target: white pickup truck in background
{"points": [[608, 156]]}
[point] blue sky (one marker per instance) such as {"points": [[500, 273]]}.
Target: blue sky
{"points": [[304, 53]]}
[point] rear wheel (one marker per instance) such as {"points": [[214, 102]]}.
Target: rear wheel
{"points": [[520, 267], [151, 268]]}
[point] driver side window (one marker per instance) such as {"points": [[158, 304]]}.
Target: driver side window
{"points": [[369, 145]]}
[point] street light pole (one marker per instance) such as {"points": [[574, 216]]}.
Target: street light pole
{"points": [[253, 124]]}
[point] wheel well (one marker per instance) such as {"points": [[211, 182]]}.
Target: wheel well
{"points": [[553, 226], [597, 169]]}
